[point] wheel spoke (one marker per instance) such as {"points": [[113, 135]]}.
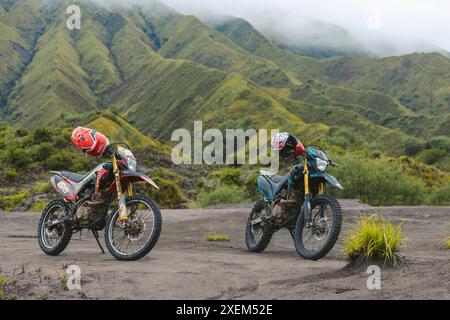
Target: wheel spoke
{"points": [[133, 237]]}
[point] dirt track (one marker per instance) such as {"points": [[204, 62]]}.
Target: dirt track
{"points": [[185, 266]]}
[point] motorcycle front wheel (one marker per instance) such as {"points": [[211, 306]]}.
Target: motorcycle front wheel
{"points": [[314, 239], [136, 238], [257, 236]]}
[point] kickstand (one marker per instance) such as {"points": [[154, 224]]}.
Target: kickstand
{"points": [[95, 233]]}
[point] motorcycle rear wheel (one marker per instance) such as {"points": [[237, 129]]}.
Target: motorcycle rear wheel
{"points": [[257, 237], [119, 238], [53, 240]]}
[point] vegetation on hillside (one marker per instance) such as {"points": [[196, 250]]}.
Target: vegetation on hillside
{"points": [[138, 73]]}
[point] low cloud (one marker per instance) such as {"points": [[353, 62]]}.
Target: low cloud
{"points": [[383, 26]]}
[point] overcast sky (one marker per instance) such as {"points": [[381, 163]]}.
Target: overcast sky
{"points": [[409, 24]]}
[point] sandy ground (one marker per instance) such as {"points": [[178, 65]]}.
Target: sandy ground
{"points": [[185, 266]]}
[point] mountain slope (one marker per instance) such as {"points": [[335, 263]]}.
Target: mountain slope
{"points": [[186, 37], [93, 45], [20, 27], [421, 82], [118, 129], [393, 108], [54, 84], [161, 70]]}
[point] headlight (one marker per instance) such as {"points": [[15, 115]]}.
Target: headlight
{"points": [[128, 157], [132, 164], [321, 164]]}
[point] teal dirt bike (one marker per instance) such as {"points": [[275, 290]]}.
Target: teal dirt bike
{"points": [[298, 202]]}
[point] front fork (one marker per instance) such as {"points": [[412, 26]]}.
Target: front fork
{"points": [[121, 199], [308, 194], [307, 201]]}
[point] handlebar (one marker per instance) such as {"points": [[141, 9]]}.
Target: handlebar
{"points": [[112, 151]]}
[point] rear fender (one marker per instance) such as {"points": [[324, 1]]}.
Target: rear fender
{"points": [[64, 187]]}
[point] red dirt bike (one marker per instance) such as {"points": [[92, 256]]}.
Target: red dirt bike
{"points": [[133, 226]]}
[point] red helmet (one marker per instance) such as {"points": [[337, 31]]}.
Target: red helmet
{"points": [[89, 141], [287, 144]]}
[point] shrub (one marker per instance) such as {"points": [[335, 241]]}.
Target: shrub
{"points": [[22, 132], [432, 156], [58, 161], [374, 238], [9, 202], [217, 237], [42, 187], [38, 206], [441, 196], [345, 137], [377, 182], [224, 194], [42, 135], [229, 176], [41, 151], [440, 142], [251, 187], [412, 146], [169, 194], [17, 157], [10, 175]]}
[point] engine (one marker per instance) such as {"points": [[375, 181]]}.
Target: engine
{"points": [[285, 206], [88, 212]]}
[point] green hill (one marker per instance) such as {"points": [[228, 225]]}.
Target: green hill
{"points": [[138, 72]]}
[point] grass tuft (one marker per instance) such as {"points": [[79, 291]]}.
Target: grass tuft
{"points": [[217, 237], [374, 238]]}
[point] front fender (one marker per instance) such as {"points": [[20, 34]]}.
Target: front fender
{"points": [[133, 176], [328, 178]]}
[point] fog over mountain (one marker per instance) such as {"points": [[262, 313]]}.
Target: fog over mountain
{"points": [[383, 27]]}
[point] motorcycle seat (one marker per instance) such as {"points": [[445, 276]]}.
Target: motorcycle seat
{"points": [[76, 177], [276, 179], [272, 185]]}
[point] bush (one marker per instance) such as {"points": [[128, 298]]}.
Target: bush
{"points": [[432, 156], [251, 187], [10, 175], [59, 161], [42, 135], [412, 146], [169, 194], [17, 157], [22, 132], [440, 142], [229, 176], [345, 137], [217, 237], [9, 202], [224, 194], [38, 206], [42, 151], [441, 196], [373, 239], [42, 187], [377, 182]]}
